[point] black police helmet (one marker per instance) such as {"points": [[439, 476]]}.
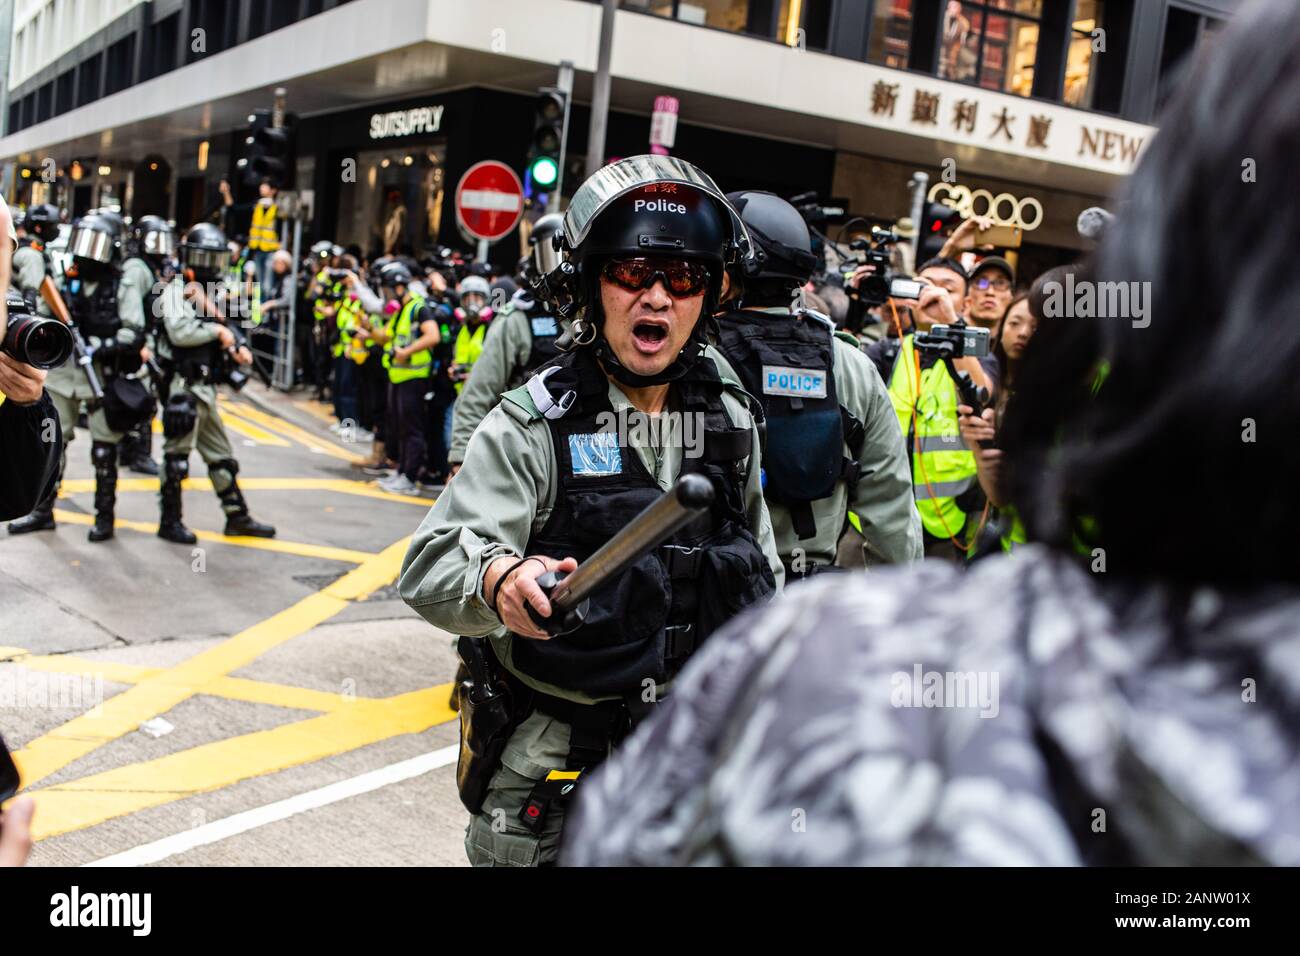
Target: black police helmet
{"points": [[93, 240], [780, 232], [154, 236], [395, 274], [205, 250], [664, 219], [42, 220]]}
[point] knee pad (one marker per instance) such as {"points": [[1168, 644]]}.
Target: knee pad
{"points": [[177, 467], [103, 454], [222, 473], [180, 415]]}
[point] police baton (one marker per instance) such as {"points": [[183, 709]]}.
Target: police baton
{"points": [[569, 593]]}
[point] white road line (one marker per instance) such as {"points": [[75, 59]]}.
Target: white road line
{"points": [[281, 810]]}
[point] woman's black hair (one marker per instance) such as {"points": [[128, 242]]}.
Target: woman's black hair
{"points": [[1170, 439], [999, 352]]}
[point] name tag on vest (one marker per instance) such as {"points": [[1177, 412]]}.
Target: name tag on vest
{"points": [[794, 382], [595, 454], [545, 326]]}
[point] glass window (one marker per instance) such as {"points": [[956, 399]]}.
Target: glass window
{"points": [[660, 8], [1080, 78], [730, 15], [891, 33], [982, 45], [396, 204]]}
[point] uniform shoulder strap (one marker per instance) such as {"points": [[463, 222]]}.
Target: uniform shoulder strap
{"points": [[521, 404], [848, 339]]}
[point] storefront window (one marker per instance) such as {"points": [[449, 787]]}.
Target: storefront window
{"points": [[993, 45], [396, 204], [891, 33], [1080, 78]]}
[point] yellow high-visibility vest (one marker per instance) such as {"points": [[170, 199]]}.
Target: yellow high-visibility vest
{"points": [[263, 236]]}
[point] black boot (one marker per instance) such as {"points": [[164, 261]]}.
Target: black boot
{"points": [[175, 468], [41, 518], [238, 520], [104, 457], [134, 451]]}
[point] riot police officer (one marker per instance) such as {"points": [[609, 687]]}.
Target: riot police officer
{"points": [[833, 443], [194, 350], [31, 261], [107, 311], [520, 341], [148, 261], [563, 463]]}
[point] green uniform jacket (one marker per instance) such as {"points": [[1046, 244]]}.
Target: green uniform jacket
{"points": [[504, 492], [882, 499], [506, 348], [182, 327], [28, 273], [68, 380]]}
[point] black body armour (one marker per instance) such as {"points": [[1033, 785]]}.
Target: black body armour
{"points": [[545, 328], [649, 620], [788, 364], [95, 314]]}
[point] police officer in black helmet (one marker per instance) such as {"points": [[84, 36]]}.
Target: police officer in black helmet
{"points": [[834, 452], [566, 461], [520, 340], [195, 350]]}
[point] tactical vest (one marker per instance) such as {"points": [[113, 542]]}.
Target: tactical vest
{"points": [[649, 620], [942, 466], [545, 329], [788, 364], [95, 313], [419, 365]]}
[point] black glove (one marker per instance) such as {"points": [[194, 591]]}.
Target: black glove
{"points": [[180, 415]]}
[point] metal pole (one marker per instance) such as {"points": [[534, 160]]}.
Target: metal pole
{"points": [[919, 183], [565, 83], [293, 303], [600, 91], [483, 245]]}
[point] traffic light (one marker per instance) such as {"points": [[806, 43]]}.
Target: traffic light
{"points": [[269, 150], [935, 219], [544, 155]]}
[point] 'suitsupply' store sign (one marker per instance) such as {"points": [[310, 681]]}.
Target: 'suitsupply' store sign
{"points": [[421, 119]]}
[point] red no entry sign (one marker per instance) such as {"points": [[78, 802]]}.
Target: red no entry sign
{"points": [[489, 200]]}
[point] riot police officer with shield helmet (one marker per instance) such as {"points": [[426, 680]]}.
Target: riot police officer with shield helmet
{"points": [[106, 309], [196, 351], [565, 462], [833, 445], [519, 341]]}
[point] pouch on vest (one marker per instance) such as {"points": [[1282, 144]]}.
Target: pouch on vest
{"points": [[127, 403]]}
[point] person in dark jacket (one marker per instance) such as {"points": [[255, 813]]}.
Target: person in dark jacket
{"points": [[1131, 704]]}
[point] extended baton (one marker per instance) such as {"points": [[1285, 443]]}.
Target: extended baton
{"points": [[569, 593]]}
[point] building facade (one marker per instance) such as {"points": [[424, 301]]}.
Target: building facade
{"points": [[142, 103]]}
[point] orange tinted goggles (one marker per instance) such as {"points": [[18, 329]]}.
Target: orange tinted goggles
{"points": [[681, 277]]}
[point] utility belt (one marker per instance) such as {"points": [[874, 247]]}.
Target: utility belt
{"points": [[809, 569], [492, 703]]}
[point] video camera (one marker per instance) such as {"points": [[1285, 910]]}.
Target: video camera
{"points": [[954, 341], [32, 340], [873, 289]]}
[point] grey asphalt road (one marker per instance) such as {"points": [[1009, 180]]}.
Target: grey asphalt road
{"points": [[302, 704]]}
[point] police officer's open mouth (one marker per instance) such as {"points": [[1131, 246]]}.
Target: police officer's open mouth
{"points": [[649, 334]]}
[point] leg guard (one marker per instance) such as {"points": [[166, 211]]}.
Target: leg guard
{"points": [[175, 469], [103, 455], [238, 520]]}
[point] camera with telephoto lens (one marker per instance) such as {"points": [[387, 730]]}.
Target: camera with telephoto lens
{"points": [[873, 289], [459, 373], [32, 340], [954, 341], [337, 275]]}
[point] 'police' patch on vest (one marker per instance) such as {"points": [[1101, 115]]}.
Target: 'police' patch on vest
{"points": [[544, 325], [794, 382], [595, 454]]}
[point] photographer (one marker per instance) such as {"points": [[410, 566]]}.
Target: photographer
{"points": [[925, 399], [31, 438], [1130, 690]]}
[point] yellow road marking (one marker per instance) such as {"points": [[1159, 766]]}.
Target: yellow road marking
{"points": [[113, 793], [316, 410], [363, 489], [249, 430], [158, 694], [291, 430], [301, 549], [231, 688]]}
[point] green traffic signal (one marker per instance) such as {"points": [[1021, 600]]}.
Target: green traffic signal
{"points": [[544, 171]]}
